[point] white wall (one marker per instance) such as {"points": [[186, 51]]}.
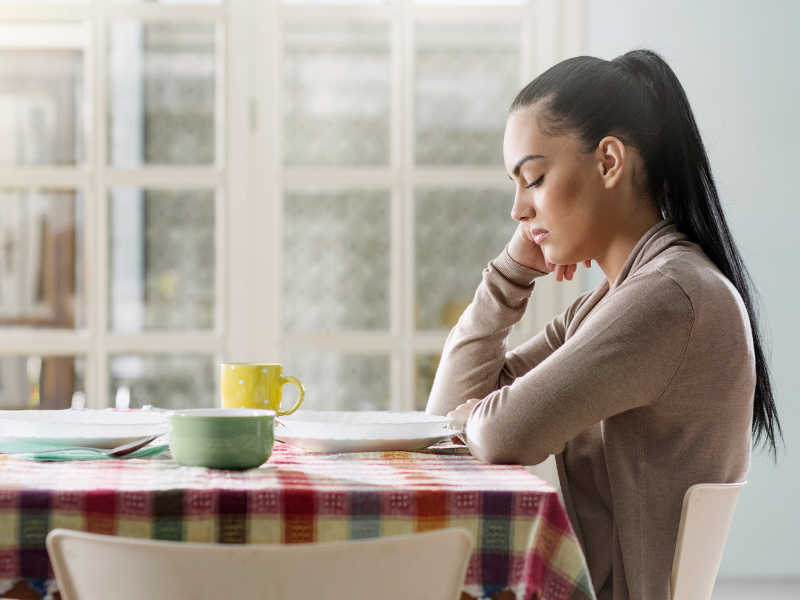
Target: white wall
{"points": [[740, 64]]}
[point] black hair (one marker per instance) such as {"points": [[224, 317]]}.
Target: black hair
{"points": [[637, 98]]}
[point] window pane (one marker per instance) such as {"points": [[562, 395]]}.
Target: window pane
{"points": [[162, 259], [457, 233], [337, 94], [338, 381], [165, 381], [41, 258], [161, 93], [338, 2], [167, 1], [45, 382], [471, 2], [41, 96], [466, 77], [336, 261], [426, 365]]}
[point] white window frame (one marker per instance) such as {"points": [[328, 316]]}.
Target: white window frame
{"points": [[551, 30], [94, 177], [249, 179]]}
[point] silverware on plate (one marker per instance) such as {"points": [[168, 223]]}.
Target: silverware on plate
{"points": [[118, 451]]}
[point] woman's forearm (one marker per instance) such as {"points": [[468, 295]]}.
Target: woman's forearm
{"points": [[475, 352]]}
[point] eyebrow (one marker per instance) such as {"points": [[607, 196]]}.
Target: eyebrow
{"points": [[522, 161]]}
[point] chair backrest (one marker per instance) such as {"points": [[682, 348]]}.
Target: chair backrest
{"points": [[705, 520], [424, 566]]}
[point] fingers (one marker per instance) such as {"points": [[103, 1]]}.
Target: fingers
{"points": [[461, 413], [567, 272], [559, 272]]}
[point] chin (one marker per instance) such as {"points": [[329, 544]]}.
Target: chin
{"points": [[559, 258], [553, 256]]}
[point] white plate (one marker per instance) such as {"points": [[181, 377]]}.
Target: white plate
{"points": [[363, 425], [322, 444], [89, 428]]}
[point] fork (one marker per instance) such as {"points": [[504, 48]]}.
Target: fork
{"points": [[115, 452]]}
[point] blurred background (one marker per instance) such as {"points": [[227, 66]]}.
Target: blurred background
{"points": [[320, 183]]}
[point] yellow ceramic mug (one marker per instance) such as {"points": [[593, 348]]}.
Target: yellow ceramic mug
{"points": [[257, 386]]}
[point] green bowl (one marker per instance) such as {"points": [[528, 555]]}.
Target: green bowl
{"points": [[221, 438]]}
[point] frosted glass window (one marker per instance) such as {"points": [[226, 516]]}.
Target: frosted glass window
{"points": [[41, 382], [457, 233], [41, 259], [466, 78], [337, 2], [336, 261], [173, 2], [161, 93], [338, 381], [337, 94], [162, 259], [163, 380], [471, 2], [41, 96]]}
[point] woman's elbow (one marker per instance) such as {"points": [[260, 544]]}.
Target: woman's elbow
{"points": [[491, 449], [504, 456], [504, 450], [493, 456]]}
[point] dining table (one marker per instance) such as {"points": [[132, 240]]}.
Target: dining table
{"points": [[524, 545]]}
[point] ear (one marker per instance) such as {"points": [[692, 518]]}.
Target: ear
{"points": [[611, 160]]}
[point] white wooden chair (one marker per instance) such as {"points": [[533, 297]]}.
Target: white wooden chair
{"points": [[424, 566], [705, 520]]}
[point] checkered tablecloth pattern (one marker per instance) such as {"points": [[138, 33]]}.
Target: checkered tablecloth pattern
{"points": [[524, 539]]}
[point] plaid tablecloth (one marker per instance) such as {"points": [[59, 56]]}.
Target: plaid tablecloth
{"points": [[524, 539]]}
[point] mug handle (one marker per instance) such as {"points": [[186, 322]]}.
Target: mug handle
{"points": [[282, 381]]}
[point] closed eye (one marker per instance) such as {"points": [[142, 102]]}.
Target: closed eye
{"points": [[536, 183]]}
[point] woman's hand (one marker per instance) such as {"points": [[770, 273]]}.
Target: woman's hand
{"points": [[461, 413], [524, 250]]}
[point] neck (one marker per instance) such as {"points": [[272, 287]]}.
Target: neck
{"points": [[622, 243]]}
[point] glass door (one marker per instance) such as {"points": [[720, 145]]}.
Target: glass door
{"points": [[112, 203], [187, 182], [382, 186]]}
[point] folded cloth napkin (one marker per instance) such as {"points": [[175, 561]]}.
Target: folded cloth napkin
{"points": [[39, 452]]}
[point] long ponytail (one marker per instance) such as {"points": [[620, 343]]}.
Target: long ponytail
{"points": [[638, 98]]}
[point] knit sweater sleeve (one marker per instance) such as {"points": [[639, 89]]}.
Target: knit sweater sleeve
{"points": [[624, 355], [474, 361]]}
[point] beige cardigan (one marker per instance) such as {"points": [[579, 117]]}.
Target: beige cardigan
{"points": [[642, 389]]}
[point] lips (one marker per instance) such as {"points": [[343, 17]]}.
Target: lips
{"points": [[538, 235]]}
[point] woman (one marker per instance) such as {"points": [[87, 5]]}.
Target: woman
{"points": [[650, 383]]}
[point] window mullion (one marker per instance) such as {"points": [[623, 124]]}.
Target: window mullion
{"points": [[408, 176], [397, 300], [266, 259], [243, 62], [97, 395]]}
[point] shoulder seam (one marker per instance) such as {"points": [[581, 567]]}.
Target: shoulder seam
{"points": [[688, 336]]}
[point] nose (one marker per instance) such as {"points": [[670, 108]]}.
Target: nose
{"points": [[522, 208]]}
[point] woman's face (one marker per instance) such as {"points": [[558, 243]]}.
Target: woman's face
{"points": [[559, 190]]}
